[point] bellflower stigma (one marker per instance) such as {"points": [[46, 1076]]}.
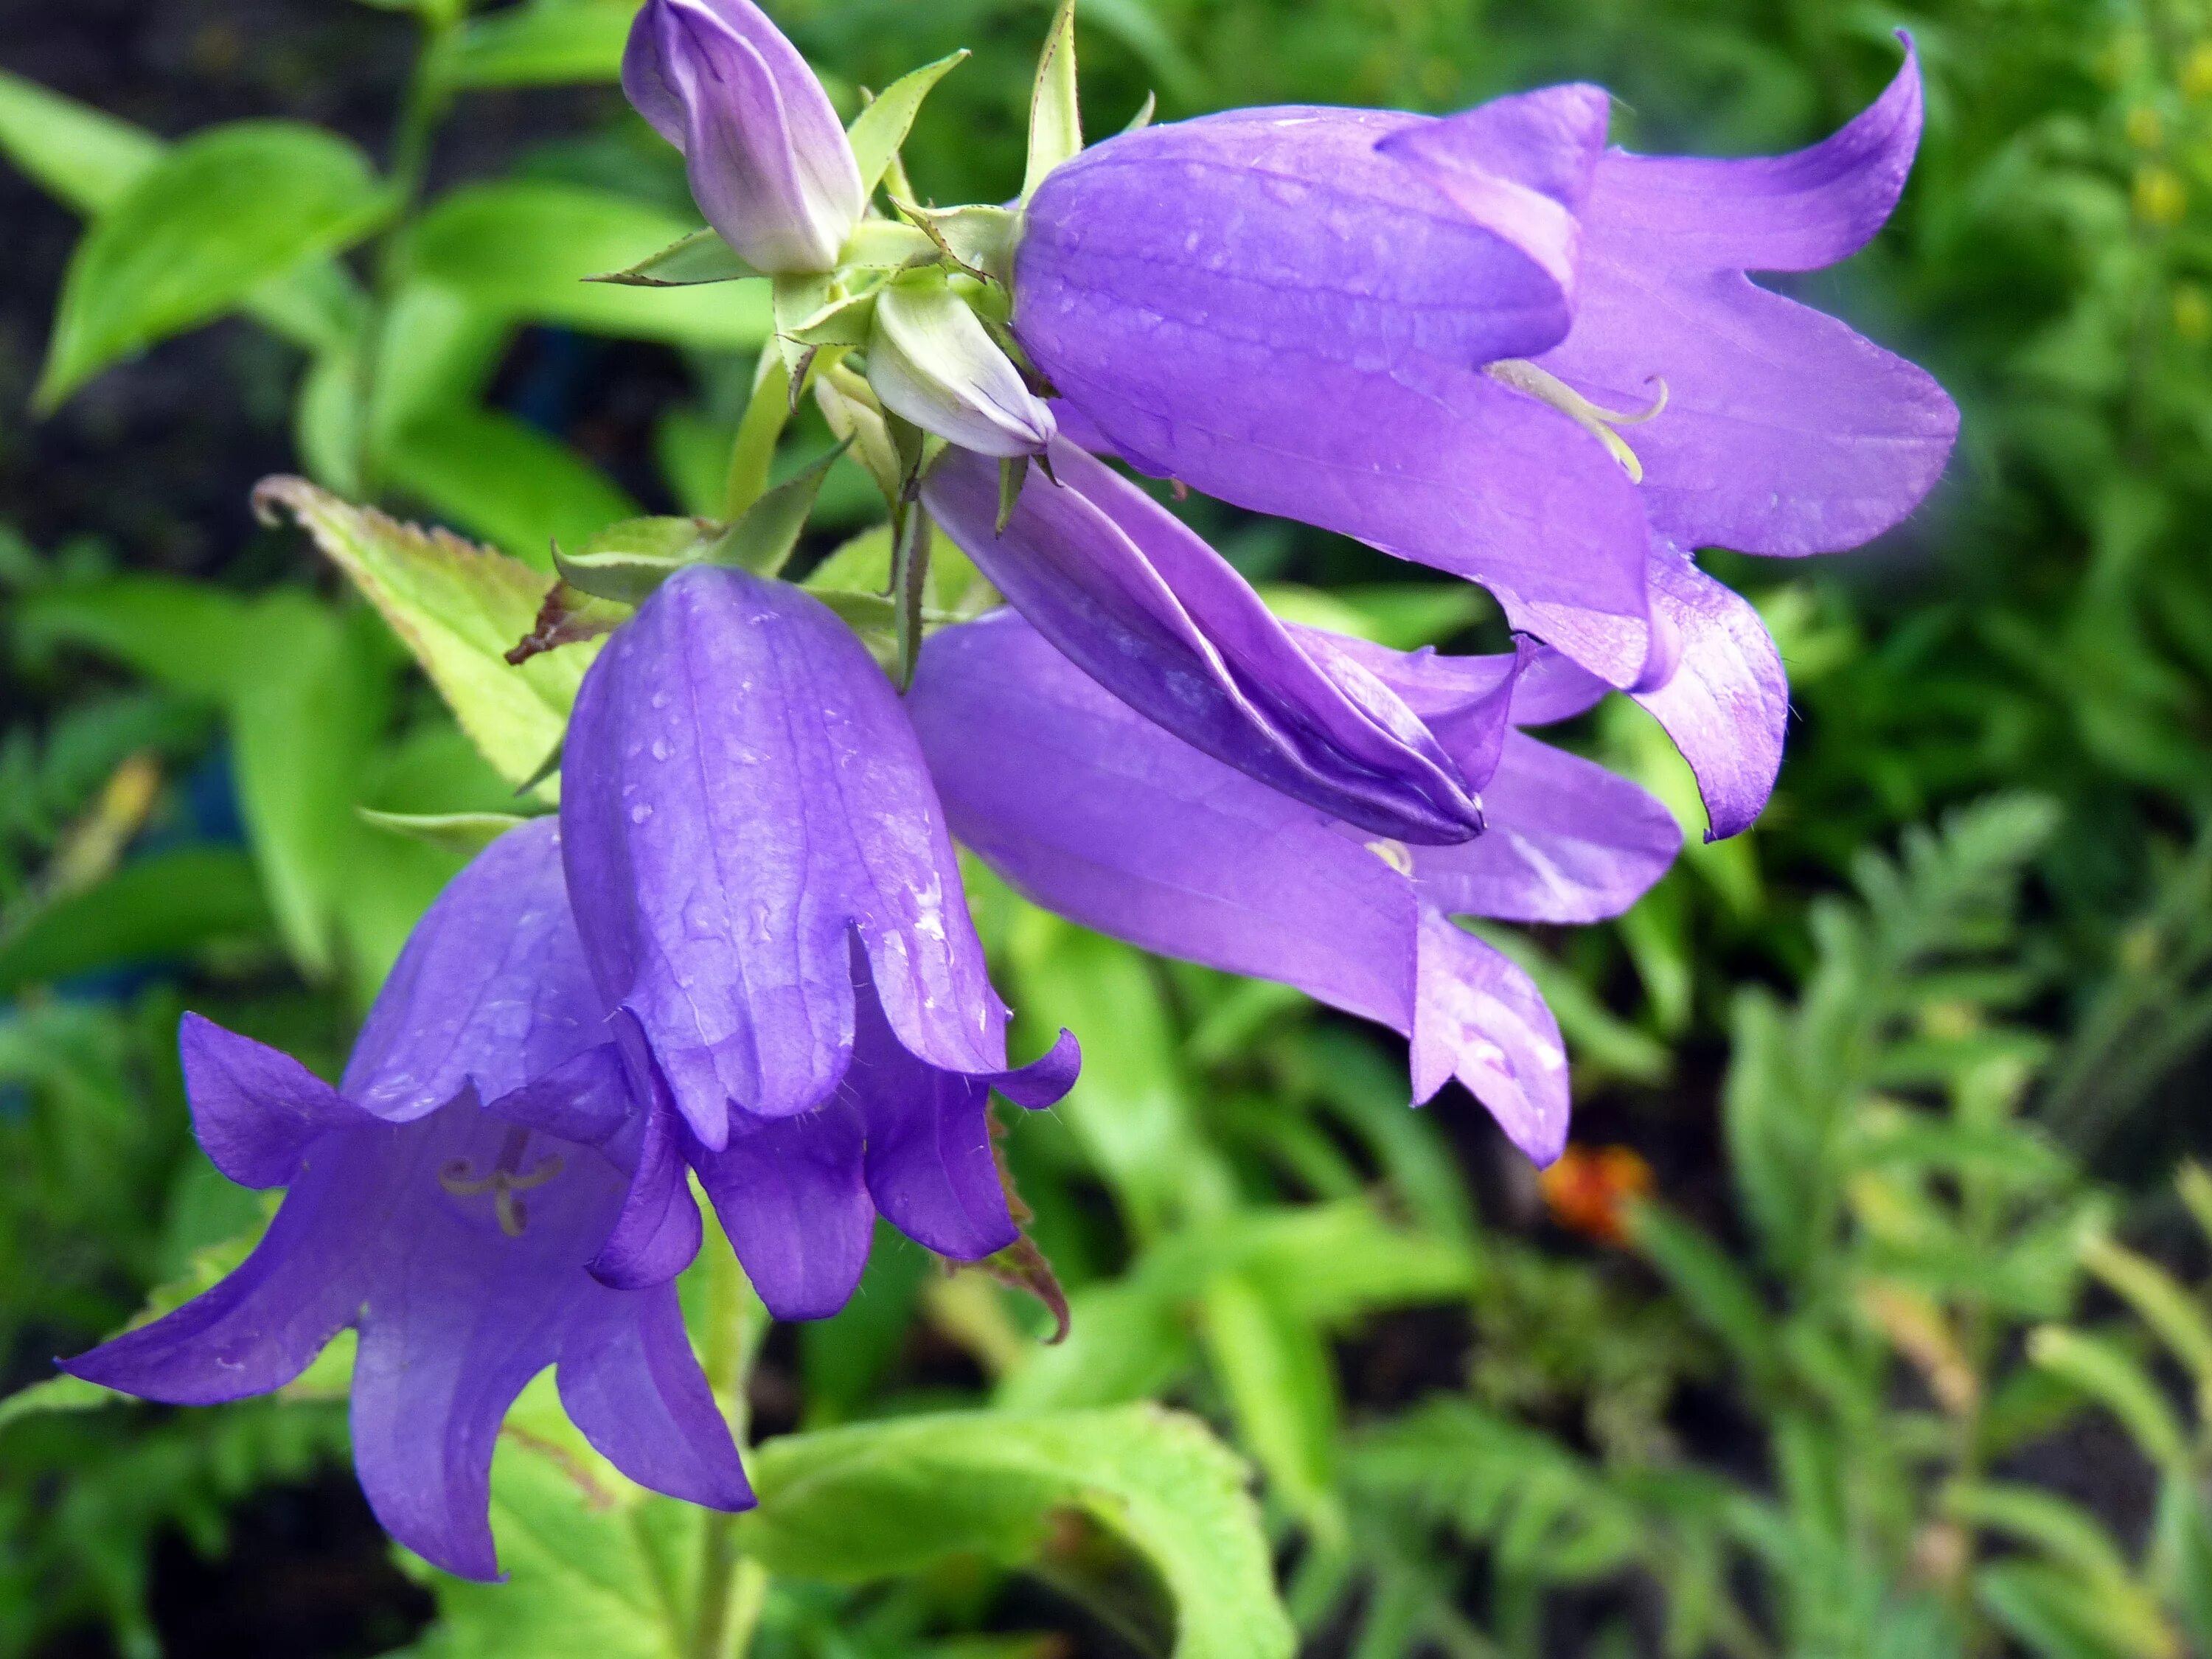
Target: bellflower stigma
{"points": [[771, 905], [769, 165], [1107, 819], [454, 1239], [1491, 344]]}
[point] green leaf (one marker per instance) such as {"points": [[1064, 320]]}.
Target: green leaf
{"points": [[504, 480], [1055, 120], [701, 257], [2061, 1530], [880, 1499], [459, 608], [2183, 1549], [2161, 1300], [1127, 1342], [1282, 1394], [2105, 1372], [163, 907], [528, 250], [221, 214], [762, 539], [86, 157], [543, 43], [2059, 1616], [879, 130], [56, 1394], [1712, 1286]]}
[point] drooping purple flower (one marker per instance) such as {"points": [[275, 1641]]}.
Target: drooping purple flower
{"points": [[1430, 333], [1105, 818], [769, 165], [453, 1239], [771, 905], [1141, 603]]}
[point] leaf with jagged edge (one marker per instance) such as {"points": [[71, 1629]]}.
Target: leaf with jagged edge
{"points": [[1056, 119], [879, 130], [458, 607]]}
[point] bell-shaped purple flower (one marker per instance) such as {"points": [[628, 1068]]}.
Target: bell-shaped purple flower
{"points": [[1157, 617], [1489, 344], [453, 1239], [769, 165], [1108, 820], [771, 905]]}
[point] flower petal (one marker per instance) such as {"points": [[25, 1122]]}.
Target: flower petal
{"points": [[1569, 842], [1479, 1018], [741, 789], [491, 991], [630, 1381], [1160, 619], [1728, 700], [255, 1108], [1795, 212], [792, 1196]]}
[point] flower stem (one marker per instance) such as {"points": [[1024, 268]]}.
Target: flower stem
{"points": [[733, 1587]]}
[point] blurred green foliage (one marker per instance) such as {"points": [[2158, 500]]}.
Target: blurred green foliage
{"points": [[1903, 1066]]}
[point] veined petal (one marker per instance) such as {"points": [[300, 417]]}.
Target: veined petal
{"points": [[1479, 1018], [630, 1381], [742, 790], [792, 1196], [1795, 212], [768, 164], [1569, 842], [491, 991], [1728, 700], [255, 1108], [1160, 619]]}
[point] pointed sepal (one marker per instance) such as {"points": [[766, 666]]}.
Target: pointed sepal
{"points": [[1055, 121], [879, 130], [701, 257]]}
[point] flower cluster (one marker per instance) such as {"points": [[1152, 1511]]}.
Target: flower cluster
{"points": [[742, 958]]}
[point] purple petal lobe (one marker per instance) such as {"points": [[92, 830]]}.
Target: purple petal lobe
{"points": [[1783, 431], [587, 1099], [793, 1200], [1569, 842], [1160, 619], [768, 163], [255, 1109], [928, 1165], [743, 789], [1728, 700], [1520, 165], [491, 991], [1796, 212], [1467, 702], [1479, 1018], [657, 1230], [630, 1381]]}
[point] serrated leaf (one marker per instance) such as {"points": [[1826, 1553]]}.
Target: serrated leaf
{"points": [[524, 249], [218, 217], [1055, 121], [459, 608], [879, 130], [701, 257], [881, 1499]]}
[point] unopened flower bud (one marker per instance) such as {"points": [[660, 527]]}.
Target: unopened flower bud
{"points": [[768, 163]]}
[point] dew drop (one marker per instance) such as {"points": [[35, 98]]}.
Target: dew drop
{"points": [[639, 813]]}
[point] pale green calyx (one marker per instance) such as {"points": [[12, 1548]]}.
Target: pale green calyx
{"points": [[1055, 116], [931, 361]]}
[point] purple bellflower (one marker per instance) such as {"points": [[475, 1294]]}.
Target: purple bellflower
{"points": [[1141, 603], [770, 904], [1108, 820], [1430, 334], [769, 165], [453, 1240]]}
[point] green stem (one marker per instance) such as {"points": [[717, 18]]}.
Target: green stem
{"points": [[429, 94], [731, 1587]]}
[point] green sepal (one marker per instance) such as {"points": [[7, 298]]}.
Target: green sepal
{"points": [[624, 577], [798, 300], [886, 244], [1146, 111], [762, 539], [853, 414], [701, 257], [980, 240], [879, 130], [841, 323], [1013, 473], [545, 769], [753, 450], [1055, 120], [466, 833]]}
